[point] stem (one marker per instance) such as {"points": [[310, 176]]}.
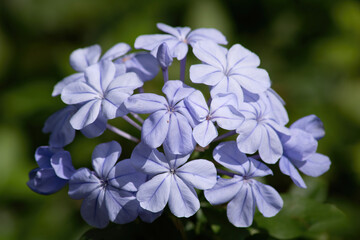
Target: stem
{"points": [[165, 74], [182, 68], [122, 133], [132, 122], [220, 171], [137, 117], [225, 135]]}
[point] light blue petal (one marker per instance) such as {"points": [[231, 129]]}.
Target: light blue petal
{"points": [[270, 149], [206, 34], [179, 50], [204, 133], [151, 41], [206, 74], [183, 200], [250, 134], [179, 139], [124, 176], [210, 53], [155, 128], [126, 83], [78, 92], [104, 157], [146, 103], [228, 118], [240, 57], [43, 155], [198, 173], [185, 111], [255, 80], [228, 155], [175, 160], [81, 58], [66, 81], [224, 190], [58, 124], [300, 145], [311, 124], [122, 205], [82, 183], [152, 164], [93, 210], [116, 51], [62, 165], [315, 165], [241, 209], [268, 200], [277, 107], [288, 168], [86, 115], [154, 194], [111, 104], [176, 91]]}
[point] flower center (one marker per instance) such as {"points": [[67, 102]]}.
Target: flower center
{"points": [[104, 183], [172, 171]]}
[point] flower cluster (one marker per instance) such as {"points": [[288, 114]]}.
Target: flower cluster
{"points": [[161, 170]]}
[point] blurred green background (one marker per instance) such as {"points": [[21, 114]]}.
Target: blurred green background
{"points": [[310, 48]]}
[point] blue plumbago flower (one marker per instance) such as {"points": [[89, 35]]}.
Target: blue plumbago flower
{"points": [[143, 64], [55, 169], [62, 133], [300, 150], [170, 122], [178, 39], [101, 94], [223, 111], [82, 58], [109, 191], [172, 181], [228, 71], [259, 131], [242, 191]]}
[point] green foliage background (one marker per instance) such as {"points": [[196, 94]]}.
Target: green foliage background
{"points": [[310, 48]]}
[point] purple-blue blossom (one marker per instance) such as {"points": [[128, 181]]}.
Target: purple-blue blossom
{"points": [[82, 58], [178, 39], [169, 122], [101, 94], [259, 131], [55, 169], [223, 111], [300, 150], [108, 192], [172, 180], [230, 70], [242, 191]]}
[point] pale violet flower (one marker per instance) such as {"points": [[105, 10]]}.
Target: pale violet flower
{"points": [[242, 191], [170, 122], [101, 94], [259, 131], [108, 193], [82, 58], [300, 150], [230, 70], [172, 180], [178, 39], [223, 111]]}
